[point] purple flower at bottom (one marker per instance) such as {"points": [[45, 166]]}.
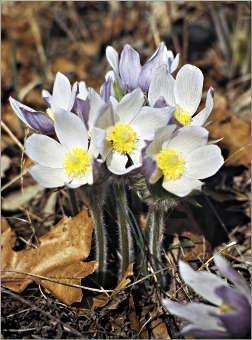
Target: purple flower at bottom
{"points": [[229, 314]]}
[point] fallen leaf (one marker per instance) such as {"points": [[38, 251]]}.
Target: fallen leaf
{"points": [[134, 321], [159, 329], [58, 257], [100, 300], [201, 247], [5, 164], [21, 198], [235, 130]]}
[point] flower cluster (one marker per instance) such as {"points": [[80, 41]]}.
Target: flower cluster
{"points": [[142, 122], [229, 314]]}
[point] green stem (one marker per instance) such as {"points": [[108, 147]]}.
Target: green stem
{"points": [[97, 215], [154, 233], [94, 198], [125, 233]]}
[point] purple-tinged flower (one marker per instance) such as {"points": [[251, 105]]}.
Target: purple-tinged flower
{"points": [[184, 93], [121, 131], [63, 97], [229, 314], [129, 71], [70, 162]]}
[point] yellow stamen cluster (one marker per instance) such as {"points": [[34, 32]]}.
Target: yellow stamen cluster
{"points": [[171, 164], [76, 163], [122, 137], [224, 307], [50, 113], [182, 115]]}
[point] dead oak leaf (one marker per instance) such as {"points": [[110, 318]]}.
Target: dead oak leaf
{"points": [[58, 257]]}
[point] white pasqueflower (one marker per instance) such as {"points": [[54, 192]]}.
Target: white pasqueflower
{"points": [[184, 93], [69, 162], [121, 131], [182, 157]]}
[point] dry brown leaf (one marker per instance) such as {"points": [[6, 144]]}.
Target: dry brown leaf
{"points": [[59, 257], [134, 321], [236, 132], [19, 199], [159, 328], [202, 248], [101, 301]]}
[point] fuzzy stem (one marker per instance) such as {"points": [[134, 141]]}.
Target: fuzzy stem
{"points": [[97, 215], [95, 200], [154, 233], [125, 233]]}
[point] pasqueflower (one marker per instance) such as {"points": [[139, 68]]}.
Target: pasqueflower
{"points": [[182, 157], [129, 71], [229, 314], [67, 162], [63, 97], [121, 131], [184, 93]]}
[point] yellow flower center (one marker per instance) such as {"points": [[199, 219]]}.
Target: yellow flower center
{"points": [[224, 307], [50, 113], [122, 137], [171, 164], [182, 115], [76, 162]]}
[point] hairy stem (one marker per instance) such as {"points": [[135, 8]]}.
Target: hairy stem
{"points": [[154, 234], [95, 201], [124, 228], [97, 215]]}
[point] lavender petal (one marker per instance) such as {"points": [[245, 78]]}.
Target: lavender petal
{"points": [[38, 120]]}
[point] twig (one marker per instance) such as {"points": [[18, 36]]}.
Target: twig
{"points": [[19, 298], [13, 137]]}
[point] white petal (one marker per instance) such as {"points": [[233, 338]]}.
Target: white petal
{"points": [[182, 186], [116, 162], [83, 92], [202, 282], [16, 107], [106, 119], [149, 120], [204, 161], [175, 63], [188, 88], [72, 97], [97, 106], [48, 177], [162, 84], [197, 313], [47, 95], [45, 151], [110, 74], [162, 135], [61, 95], [155, 177], [79, 181], [136, 154], [187, 139], [130, 105], [112, 57], [70, 130], [201, 117]]}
